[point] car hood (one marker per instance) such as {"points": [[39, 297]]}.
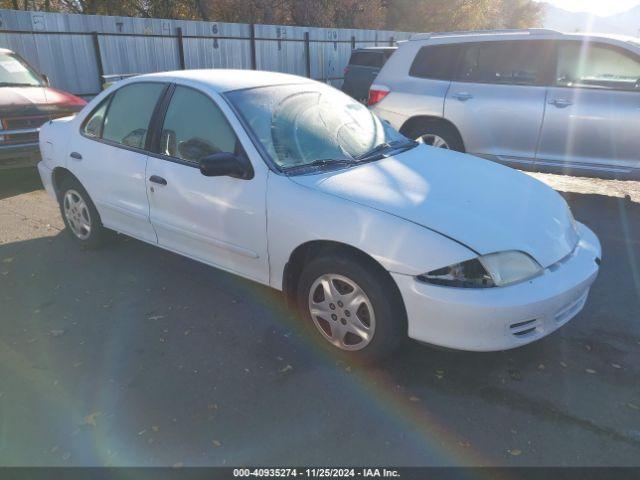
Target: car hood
{"points": [[36, 100], [483, 205]]}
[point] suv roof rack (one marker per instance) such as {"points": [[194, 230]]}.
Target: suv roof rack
{"points": [[462, 33]]}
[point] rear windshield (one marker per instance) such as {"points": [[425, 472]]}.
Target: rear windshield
{"points": [[367, 59]]}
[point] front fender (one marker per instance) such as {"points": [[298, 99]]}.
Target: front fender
{"points": [[297, 214]]}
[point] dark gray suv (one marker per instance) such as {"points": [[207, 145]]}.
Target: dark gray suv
{"points": [[363, 67], [534, 99]]}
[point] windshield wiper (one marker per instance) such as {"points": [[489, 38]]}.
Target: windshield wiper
{"points": [[18, 84], [383, 147], [323, 162]]}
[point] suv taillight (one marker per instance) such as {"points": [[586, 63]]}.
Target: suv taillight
{"points": [[377, 93]]}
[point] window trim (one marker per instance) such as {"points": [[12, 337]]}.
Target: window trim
{"points": [[547, 73], [109, 99], [608, 46]]}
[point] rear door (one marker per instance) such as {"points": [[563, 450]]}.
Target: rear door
{"points": [[593, 111], [109, 157], [497, 97]]}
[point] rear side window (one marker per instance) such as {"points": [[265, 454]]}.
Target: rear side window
{"points": [[596, 66], [367, 59], [435, 62], [505, 63], [129, 113]]}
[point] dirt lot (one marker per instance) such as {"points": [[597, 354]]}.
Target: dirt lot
{"points": [[135, 356]]}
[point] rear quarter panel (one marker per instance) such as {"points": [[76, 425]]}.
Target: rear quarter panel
{"points": [[410, 96]]}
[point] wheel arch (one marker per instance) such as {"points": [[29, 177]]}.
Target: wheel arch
{"points": [[418, 120], [307, 251], [58, 175]]}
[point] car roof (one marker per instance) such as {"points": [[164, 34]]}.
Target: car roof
{"points": [[5, 50], [374, 49], [537, 33], [225, 80]]}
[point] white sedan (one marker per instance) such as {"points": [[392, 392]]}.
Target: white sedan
{"points": [[292, 184]]}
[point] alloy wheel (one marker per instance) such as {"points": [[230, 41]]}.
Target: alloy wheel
{"points": [[77, 214], [342, 312], [433, 141]]}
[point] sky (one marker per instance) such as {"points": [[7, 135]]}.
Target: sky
{"points": [[598, 7]]}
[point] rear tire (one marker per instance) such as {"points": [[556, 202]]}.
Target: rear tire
{"points": [[81, 216], [357, 311], [436, 134]]}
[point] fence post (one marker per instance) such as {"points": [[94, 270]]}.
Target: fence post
{"points": [[307, 54], [353, 42], [392, 42], [181, 49], [96, 50], [254, 62]]}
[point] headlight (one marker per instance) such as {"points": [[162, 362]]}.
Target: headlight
{"points": [[494, 270]]}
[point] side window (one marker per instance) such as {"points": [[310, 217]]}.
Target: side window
{"points": [[194, 127], [127, 118], [435, 62], [506, 63], [93, 124], [596, 66]]}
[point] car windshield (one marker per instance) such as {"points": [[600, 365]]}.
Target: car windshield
{"points": [[312, 125], [15, 72]]}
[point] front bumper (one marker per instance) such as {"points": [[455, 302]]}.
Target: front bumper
{"points": [[502, 318], [19, 155]]}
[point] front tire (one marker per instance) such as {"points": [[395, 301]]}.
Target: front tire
{"points": [[352, 307], [80, 215]]}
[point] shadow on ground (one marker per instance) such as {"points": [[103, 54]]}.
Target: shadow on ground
{"points": [[134, 356]]}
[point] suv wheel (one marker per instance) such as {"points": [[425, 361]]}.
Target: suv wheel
{"points": [[80, 215], [437, 135], [349, 306]]}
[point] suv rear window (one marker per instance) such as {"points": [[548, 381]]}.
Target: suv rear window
{"points": [[367, 59], [435, 62]]}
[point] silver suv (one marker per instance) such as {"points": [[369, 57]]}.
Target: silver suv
{"points": [[533, 99]]}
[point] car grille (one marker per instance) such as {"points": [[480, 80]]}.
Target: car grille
{"points": [[30, 125]]}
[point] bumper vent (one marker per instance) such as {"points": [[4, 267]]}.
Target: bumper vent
{"points": [[523, 329]]}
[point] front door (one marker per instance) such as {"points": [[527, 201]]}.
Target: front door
{"points": [[110, 160], [217, 220], [593, 110], [497, 98]]}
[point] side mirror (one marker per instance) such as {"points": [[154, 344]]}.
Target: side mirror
{"points": [[225, 164], [46, 81]]}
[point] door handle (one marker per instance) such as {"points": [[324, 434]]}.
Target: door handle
{"points": [[157, 179], [560, 102], [463, 96], [75, 155]]}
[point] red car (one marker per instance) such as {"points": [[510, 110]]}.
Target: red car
{"points": [[26, 102]]}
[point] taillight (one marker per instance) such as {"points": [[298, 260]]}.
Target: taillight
{"points": [[377, 93]]}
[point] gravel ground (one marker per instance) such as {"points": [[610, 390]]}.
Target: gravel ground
{"points": [[134, 356]]}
